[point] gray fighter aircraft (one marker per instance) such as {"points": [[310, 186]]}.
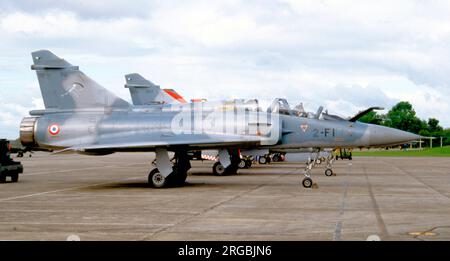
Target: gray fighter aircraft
{"points": [[83, 117], [144, 92]]}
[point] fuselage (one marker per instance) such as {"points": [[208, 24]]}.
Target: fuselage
{"points": [[162, 125]]}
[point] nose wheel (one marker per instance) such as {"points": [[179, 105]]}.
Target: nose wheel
{"points": [[328, 172], [307, 182]]}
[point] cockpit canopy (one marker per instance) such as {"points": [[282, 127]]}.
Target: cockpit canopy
{"points": [[278, 106], [281, 106]]}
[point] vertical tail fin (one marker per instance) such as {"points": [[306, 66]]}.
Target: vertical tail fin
{"points": [[144, 92], [64, 86]]}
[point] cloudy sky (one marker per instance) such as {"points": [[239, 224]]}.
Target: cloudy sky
{"points": [[345, 55]]}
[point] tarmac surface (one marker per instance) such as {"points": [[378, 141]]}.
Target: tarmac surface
{"points": [[108, 198]]}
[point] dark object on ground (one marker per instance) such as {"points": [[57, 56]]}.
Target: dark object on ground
{"points": [[8, 167]]}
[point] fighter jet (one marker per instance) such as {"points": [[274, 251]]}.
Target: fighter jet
{"points": [[80, 116], [144, 92]]}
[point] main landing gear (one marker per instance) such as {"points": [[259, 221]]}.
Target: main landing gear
{"points": [[265, 159], [246, 162], [278, 157], [169, 174], [228, 164]]}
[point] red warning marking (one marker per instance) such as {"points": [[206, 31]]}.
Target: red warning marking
{"points": [[209, 157], [175, 95], [54, 129], [198, 100]]}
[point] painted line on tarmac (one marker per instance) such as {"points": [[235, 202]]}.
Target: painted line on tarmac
{"points": [[62, 190], [82, 169], [84, 224]]}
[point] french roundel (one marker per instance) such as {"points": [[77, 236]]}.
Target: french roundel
{"points": [[54, 129]]}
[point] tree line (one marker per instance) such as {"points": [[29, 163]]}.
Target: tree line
{"points": [[402, 116]]}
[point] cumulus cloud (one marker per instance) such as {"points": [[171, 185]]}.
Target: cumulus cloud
{"points": [[10, 117], [345, 55]]}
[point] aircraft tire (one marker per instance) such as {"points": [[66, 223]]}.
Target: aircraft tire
{"points": [[156, 179], [328, 172], [262, 160], [218, 169], [307, 182], [242, 164]]}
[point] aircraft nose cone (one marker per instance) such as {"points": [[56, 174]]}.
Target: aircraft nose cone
{"points": [[384, 136]]}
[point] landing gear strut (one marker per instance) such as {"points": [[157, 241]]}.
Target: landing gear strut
{"points": [[329, 160], [307, 181], [178, 175], [218, 169], [245, 163], [231, 158]]}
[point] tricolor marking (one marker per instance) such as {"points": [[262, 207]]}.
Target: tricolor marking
{"points": [[54, 129], [304, 127]]}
